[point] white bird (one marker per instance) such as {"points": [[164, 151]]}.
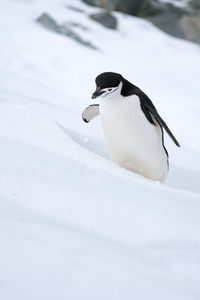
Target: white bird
{"points": [[132, 126]]}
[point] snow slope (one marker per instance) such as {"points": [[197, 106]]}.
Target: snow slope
{"points": [[72, 224]]}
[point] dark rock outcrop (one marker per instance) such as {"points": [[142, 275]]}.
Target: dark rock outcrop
{"points": [[65, 29], [106, 19], [182, 21], [191, 27], [132, 7], [195, 4], [168, 18]]}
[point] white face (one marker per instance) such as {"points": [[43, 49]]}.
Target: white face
{"points": [[110, 92]]}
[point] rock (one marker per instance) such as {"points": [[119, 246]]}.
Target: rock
{"points": [[191, 27], [78, 25], [195, 4], [106, 19], [182, 22], [130, 6], [180, 19], [106, 4], [168, 18], [76, 9], [48, 22], [65, 29], [150, 8]]}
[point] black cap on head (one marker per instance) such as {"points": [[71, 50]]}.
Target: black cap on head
{"points": [[108, 79]]}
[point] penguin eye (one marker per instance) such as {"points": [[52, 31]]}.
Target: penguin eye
{"points": [[109, 90]]}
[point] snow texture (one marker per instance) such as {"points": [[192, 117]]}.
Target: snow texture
{"points": [[73, 224]]}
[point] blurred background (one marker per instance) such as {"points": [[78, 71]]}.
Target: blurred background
{"points": [[180, 18], [73, 225]]}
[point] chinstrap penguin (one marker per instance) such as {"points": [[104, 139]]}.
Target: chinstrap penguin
{"points": [[132, 126]]}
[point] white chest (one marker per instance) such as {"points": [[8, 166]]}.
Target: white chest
{"points": [[124, 121], [134, 143]]}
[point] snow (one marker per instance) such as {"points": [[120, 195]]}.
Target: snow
{"points": [[73, 224], [178, 3]]}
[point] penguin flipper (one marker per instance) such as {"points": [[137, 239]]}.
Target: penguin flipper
{"points": [[90, 112], [155, 114]]}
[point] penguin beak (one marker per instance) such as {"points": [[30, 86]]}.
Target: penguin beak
{"points": [[97, 94]]}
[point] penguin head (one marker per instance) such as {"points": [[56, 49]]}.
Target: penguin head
{"points": [[108, 83]]}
